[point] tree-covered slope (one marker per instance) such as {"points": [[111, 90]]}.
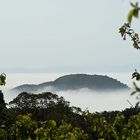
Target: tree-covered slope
{"points": [[75, 82]]}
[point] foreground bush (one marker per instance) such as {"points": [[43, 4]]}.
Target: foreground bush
{"points": [[49, 117]]}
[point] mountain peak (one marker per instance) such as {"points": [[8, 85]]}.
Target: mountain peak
{"points": [[76, 82]]}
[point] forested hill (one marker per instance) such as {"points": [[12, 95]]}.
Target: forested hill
{"points": [[75, 82]]}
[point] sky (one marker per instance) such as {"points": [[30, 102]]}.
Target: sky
{"points": [[65, 36]]}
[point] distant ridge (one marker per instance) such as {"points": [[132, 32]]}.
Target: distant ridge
{"points": [[75, 82]]}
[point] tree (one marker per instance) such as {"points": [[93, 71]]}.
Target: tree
{"points": [[127, 30], [2, 82], [2, 102], [45, 106], [2, 79], [24, 127]]}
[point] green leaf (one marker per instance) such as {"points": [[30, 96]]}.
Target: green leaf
{"points": [[134, 92], [136, 75], [136, 13], [130, 15], [122, 31], [133, 5], [52, 122]]}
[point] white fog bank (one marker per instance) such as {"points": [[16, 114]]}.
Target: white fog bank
{"points": [[95, 101], [91, 100], [84, 98]]}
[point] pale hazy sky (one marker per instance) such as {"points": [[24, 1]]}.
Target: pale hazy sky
{"points": [[65, 35]]}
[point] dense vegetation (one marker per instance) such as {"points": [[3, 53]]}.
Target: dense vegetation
{"points": [[46, 116]]}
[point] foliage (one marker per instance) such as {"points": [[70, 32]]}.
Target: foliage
{"points": [[2, 79], [134, 12], [2, 82], [54, 119], [30, 101], [50, 131], [2, 102], [2, 134], [100, 128], [97, 128], [46, 106], [132, 128], [127, 30], [24, 127]]}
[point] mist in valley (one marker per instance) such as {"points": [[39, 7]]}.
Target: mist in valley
{"points": [[83, 98], [93, 101], [99, 101]]}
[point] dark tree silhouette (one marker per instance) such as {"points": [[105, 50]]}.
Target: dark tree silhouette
{"points": [[2, 102]]}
